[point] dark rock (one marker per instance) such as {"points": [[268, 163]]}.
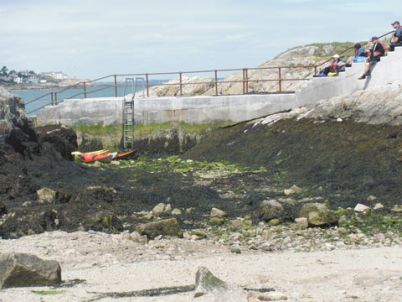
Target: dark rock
{"points": [[62, 140], [3, 209], [103, 221], [166, 227], [94, 194], [89, 144], [22, 270], [28, 221]]}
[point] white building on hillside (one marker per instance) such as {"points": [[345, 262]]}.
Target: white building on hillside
{"points": [[57, 75]]}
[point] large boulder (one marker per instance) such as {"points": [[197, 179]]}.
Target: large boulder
{"points": [[21, 270], [15, 128], [166, 227], [270, 209], [59, 140], [318, 214]]}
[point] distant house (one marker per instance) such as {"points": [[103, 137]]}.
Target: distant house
{"points": [[57, 75], [17, 80]]}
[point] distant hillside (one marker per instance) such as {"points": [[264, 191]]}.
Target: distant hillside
{"points": [[311, 54]]}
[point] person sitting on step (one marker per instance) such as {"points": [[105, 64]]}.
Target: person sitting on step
{"points": [[335, 66], [360, 54], [396, 40], [377, 50]]}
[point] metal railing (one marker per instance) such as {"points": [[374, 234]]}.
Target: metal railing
{"points": [[244, 76]]}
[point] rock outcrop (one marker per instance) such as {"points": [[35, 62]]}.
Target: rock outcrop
{"points": [[22, 270], [306, 55]]}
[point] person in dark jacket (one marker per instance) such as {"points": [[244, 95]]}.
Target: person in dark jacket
{"points": [[396, 40], [377, 50]]}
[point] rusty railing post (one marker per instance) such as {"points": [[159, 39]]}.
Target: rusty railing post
{"points": [[247, 80], [244, 81], [280, 78], [315, 69], [52, 98], [147, 84], [115, 86], [216, 82], [181, 83], [85, 90], [55, 98]]}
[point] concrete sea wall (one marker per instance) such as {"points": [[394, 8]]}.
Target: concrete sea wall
{"points": [[210, 109]]}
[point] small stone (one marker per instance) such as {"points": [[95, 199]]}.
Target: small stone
{"points": [[339, 120], [302, 222], [397, 208], [115, 163], [148, 216], [292, 190], [235, 249], [371, 198], [216, 221], [274, 222], [361, 208], [136, 237], [158, 209], [199, 234], [46, 195], [27, 204], [273, 296], [215, 212], [168, 208], [190, 210], [177, 212], [378, 206], [206, 282]]}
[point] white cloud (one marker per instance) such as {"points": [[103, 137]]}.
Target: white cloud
{"points": [[87, 38]]}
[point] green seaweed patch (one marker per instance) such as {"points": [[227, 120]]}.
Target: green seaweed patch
{"points": [[49, 292], [200, 169], [372, 223]]}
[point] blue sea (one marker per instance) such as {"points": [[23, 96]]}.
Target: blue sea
{"points": [[100, 90]]}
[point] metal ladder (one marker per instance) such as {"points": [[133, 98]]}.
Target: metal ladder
{"points": [[129, 110]]}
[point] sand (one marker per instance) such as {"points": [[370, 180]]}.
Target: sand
{"points": [[111, 263]]}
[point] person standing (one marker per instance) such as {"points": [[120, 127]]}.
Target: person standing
{"points": [[396, 40], [377, 51]]}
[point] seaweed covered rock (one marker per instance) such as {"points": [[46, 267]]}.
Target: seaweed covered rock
{"points": [[318, 214], [270, 209], [21, 270], [166, 227]]}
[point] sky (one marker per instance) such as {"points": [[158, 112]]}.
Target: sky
{"points": [[92, 38]]}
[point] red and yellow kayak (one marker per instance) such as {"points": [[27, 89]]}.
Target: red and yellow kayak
{"points": [[90, 158]]}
